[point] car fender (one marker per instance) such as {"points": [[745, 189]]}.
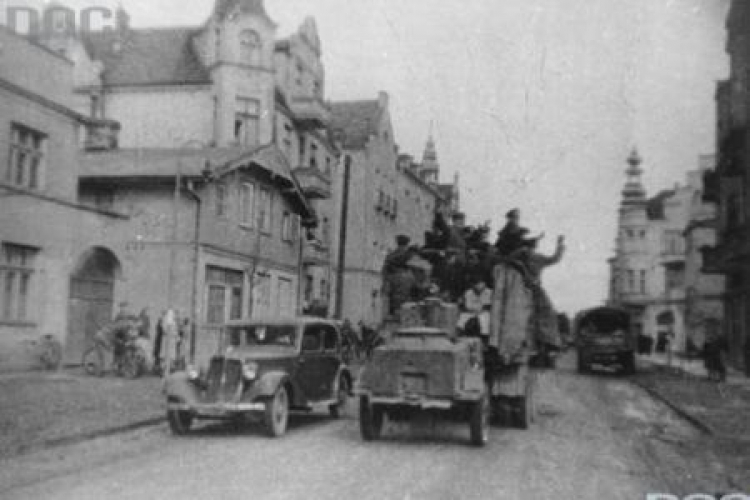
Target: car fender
{"points": [[178, 386], [270, 382]]}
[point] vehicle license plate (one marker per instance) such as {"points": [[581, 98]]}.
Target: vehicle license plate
{"points": [[413, 383]]}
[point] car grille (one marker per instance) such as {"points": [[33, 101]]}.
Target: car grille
{"points": [[224, 379]]}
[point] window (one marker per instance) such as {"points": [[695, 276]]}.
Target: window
{"points": [[311, 339], [301, 149], [264, 216], [246, 121], [26, 156], [16, 272], [221, 200], [330, 341], [317, 89], [673, 243], [308, 288], [224, 294], [326, 232], [313, 155], [288, 141], [250, 47], [287, 234], [643, 281], [675, 277], [631, 280], [248, 204], [324, 291]]}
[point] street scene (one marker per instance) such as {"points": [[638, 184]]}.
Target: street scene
{"points": [[346, 249]]}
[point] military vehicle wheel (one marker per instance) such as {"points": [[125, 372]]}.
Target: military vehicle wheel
{"points": [[342, 397], [582, 367], [370, 419], [179, 421], [276, 415], [479, 421], [628, 363], [523, 408]]}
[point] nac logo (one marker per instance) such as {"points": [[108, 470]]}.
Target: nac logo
{"points": [[55, 19]]}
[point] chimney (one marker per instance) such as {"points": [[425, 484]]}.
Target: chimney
{"points": [[383, 99]]}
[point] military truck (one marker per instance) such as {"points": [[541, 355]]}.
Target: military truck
{"points": [[427, 364]]}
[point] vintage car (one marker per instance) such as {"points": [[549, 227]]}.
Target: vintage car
{"points": [[425, 369], [604, 337], [264, 369]]}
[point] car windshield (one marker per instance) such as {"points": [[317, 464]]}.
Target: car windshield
{"points": [[262, 335]]}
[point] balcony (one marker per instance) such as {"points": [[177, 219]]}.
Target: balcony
{"points": [[314, 183], [310, 112], [101, 135]]}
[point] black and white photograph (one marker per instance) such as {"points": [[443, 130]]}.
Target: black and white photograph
{"points": [[375, 249]]}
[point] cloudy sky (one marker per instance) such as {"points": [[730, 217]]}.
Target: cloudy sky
{"points": [[536, 103]]}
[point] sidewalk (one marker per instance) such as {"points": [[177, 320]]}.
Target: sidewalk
{"points": [[40, 409], [720, 410]]}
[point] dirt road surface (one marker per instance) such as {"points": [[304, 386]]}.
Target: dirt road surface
{"points": [[596, 437]]}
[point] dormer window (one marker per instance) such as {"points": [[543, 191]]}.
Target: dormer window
{"points": [[250, 47]]}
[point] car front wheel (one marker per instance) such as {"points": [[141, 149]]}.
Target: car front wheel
{"points": [[277, 413], [179, 422]]}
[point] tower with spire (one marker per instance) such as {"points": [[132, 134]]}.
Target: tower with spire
{"points": [[634, 194], [429, 170]]}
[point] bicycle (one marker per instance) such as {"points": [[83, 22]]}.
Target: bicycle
{"points": [[130, 363], [47, 351]]}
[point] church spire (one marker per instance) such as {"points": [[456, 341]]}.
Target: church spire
{"points": [[429, 171], [634, 193]]}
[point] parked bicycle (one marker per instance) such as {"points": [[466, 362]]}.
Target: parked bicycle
{"points": [[47, 351], [129, 356]]}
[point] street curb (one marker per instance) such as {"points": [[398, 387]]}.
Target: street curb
{"points": [[695, 421], [87, 436]]}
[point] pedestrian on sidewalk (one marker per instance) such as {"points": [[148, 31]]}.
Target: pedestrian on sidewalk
{"points": [[713, 351]]}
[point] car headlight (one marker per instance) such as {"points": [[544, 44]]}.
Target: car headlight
{"points": [[250, 370], [193, 373]]}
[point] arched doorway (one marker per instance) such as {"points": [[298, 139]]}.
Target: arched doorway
{"points": [[91, 302]]}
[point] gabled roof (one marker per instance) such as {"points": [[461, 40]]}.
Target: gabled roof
{"points": [[162, 56], [353, 122]]}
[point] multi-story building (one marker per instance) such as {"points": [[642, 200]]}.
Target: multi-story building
{"points": [[729, 186], [51, 245], [704, 292], [654, 264], [382, 195], [222, 144]]}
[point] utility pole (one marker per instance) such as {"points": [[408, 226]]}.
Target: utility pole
{"points": [[342, 237]]}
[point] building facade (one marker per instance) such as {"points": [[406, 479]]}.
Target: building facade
{"points": [[53, 249], [656, 273], [211, 144], [729, 187], [383, 194]]}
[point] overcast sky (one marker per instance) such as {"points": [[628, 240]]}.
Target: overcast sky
{"points": [[536, 103]]}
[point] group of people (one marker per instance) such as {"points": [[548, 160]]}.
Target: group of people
{"points": [[170, 333], [457, 265]]}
